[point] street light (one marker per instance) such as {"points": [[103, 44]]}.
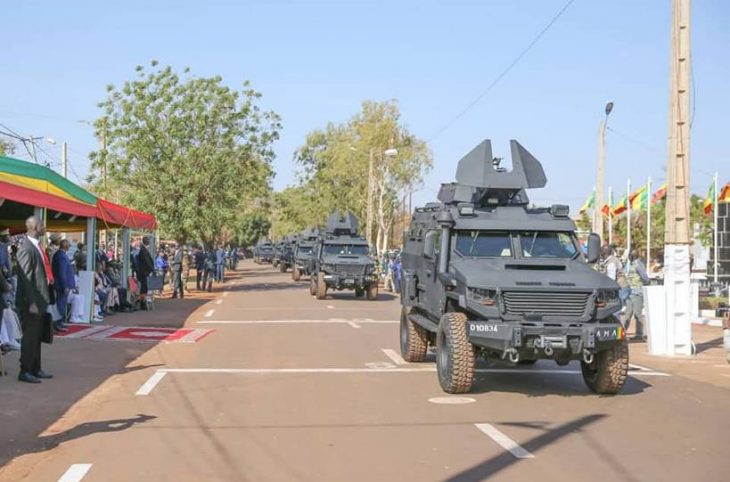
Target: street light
{"points": [[597, 215]]}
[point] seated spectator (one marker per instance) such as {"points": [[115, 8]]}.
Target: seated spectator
{"points": [[108, 295], [76, 303]]}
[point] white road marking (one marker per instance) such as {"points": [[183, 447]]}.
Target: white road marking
{"points": [[507, 443], [353, 324], [209, 313], [252, 371], [451, 400], [226, 293], [151, 383], [75, 473], [275, 322], [330, 307], [396, 358], [380, 364], [219, 301]]}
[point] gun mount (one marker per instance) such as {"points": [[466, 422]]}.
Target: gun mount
{"points": [[341, 225]]}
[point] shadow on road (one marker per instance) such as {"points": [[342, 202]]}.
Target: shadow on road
{"points": [[704, 346]]}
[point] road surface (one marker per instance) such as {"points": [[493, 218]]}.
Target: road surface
{"points": [[289, 388]]}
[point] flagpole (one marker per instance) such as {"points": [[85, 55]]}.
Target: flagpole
{"points": [[716, 264], [628, 217], [610, 215], [648, 221]]}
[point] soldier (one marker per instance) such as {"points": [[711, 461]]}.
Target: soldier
{"points": [[637, 278]]}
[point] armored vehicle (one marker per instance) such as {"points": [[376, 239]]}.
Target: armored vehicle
{"points": [[278, 248], [341, 261], [303, 253], [484, 273], [263, 252], [286, 255]]}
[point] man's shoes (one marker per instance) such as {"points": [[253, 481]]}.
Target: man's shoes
{"points": [[42, 375], [27, 378], [638, 338]]}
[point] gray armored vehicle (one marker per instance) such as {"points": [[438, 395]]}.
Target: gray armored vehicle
{"points": [[286, 253], [340, 260], [263, 252], [278, 249], [303, 253], [484, 273]]}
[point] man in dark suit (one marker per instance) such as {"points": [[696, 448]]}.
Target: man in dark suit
{"points": [[63, 274], [34, 278], [145, 267]]}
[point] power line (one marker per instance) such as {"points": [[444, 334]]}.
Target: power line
{"points": [[504, 73]]}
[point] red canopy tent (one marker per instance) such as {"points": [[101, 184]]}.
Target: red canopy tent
{"points": [[114, 215]]}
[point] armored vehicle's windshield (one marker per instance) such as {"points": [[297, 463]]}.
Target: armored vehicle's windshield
{"points": [[305, 249], [492, 244], [548, 244], [345, 249]]}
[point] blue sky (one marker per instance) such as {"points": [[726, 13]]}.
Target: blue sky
{"points": [[316, 61]]}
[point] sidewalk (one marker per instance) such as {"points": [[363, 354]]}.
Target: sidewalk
{"points": [[709, 365], [80, 366]]}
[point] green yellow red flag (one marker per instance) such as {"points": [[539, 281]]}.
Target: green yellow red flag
{"points": [[724, 196], [590, 202], [621, 206], [640, 198], [710, 199], [659, 194]]}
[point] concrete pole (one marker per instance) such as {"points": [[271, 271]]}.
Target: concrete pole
{"points": [[715, 263], [64, 159], [369, 221], [600, 179]]}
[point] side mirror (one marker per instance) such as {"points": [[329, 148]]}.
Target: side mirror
{"points": [[594, 248], [429, 244]]}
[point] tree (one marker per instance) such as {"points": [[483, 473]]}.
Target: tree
{"points": [[6, 148], [190, 150], [336, 170], [251, 228]]}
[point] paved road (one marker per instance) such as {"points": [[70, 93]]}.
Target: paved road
{"points": [[291, 388]]}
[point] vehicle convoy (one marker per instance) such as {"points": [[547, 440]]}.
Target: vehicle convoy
{"points": [[263, 252], [486, 274], [302, 254], [340, 260]]}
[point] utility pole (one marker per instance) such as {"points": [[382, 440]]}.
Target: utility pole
{"points": [[370, 199], [676, 232], [715, 263], [601, 173], [64, 159], [610, 215]]}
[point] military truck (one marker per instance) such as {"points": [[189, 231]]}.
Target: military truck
{"points": [[263, 252], [341, 260], [485, 273], [303, 253], [286, 255]]}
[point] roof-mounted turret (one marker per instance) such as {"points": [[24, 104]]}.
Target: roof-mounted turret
{"points": [[339, 224], [480, 180], [310, 234]]}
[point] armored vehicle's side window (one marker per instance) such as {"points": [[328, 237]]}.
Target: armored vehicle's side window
{"points": [[548, 244], [493, 244]]}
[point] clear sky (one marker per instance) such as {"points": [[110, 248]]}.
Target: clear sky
{"points": [[315, 61]]}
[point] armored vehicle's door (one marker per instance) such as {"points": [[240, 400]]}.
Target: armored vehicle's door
{"points": [[432, 288]]}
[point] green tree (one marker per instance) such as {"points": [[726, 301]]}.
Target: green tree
{"points": [[190, 150], [6, 148], [373, 156], [251, 228]]}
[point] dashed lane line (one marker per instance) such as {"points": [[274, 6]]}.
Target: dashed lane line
{"points": [[151, 383], [225, 293], [507, 443], [353, 324], [219, 301], [209, 313], [75, 473], [276, 322], [395, 357]]}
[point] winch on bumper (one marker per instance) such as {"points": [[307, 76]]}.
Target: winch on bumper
{"points": [[348, 281], [537, 340]]}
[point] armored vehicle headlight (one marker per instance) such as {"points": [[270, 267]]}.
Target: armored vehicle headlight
{"points": [[606, 297], [483, 296]]}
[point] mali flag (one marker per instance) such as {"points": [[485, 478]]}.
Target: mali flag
{"points": [[710, 199], [639, 199], [660, 194], [590, 202], [606, 210], [724, 196], [621, 206]]}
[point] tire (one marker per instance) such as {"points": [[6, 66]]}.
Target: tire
{"points": [[455, 355], [359, 292], [607, 374], [321, 287], [312, 287], [296, 275], [413, 339], [373, 292], [282, 267]]}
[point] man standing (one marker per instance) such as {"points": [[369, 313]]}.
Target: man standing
{"points": [[220, 264], [80, 257], [199, 267], [637, 278], [65, 282], [6, 267], [145, 267], [177, 268], [34, 277]]}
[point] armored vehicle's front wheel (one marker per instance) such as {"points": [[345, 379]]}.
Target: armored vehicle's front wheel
{"points": [[607, 373], [321, 287], [296, 275], [282, 267], [359, 292], [413, 339], [373, 291], [455, 355], [312, 286]]}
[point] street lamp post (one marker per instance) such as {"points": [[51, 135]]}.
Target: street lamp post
{"points": [[600, 177]]}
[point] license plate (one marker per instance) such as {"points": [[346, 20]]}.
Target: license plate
{"points": [[610, 334]]}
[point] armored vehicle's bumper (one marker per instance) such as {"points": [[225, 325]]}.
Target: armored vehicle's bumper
{"points": [[348, 281], [538, 340]]}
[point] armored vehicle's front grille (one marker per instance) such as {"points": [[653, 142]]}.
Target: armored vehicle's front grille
{"points": [[350, 269], [546, 303]]}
